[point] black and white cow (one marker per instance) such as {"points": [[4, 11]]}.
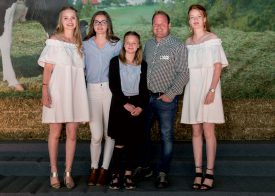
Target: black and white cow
{"points": [[43, 11]]}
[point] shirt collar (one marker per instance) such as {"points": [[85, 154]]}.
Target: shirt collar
{"points": [[92, 41], [163, 40]]}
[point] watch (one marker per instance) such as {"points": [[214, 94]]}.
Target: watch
{"points": [[211, 90]]}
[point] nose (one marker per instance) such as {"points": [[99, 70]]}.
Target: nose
{"points": [[157, 25], [196, 18]]}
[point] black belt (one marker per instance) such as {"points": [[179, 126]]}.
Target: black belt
{"points": [[158, 94]]}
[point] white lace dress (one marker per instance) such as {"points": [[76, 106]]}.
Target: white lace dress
{"points": [[201, 60], [67, 83]]}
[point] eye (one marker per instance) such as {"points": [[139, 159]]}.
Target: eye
{"points": [[104, 22]]}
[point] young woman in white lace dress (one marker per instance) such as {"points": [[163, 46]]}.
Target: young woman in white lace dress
{"points": [[202, 103]]}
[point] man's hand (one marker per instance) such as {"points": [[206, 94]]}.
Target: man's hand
{"points": [[165, 98]]}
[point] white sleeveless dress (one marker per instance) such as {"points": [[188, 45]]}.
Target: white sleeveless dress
{"points": [[201, 60], [67, 83]]}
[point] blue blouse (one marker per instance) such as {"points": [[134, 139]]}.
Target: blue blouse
{"points": [[129, 77], [97, 60]]}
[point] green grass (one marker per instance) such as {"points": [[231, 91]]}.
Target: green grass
{"points": [[251, 55], [28, 42], [132, 15], [129, 15]]}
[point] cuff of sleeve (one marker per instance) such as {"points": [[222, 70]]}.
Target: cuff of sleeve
{"points": [[170, 95]]}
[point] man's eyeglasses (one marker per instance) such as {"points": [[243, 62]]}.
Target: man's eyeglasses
{"points": [[103, 22]]}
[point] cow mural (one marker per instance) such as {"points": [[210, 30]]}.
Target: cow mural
{"points": [[43, 11]]}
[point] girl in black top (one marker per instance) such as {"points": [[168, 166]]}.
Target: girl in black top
{"points": [[127, 81]]}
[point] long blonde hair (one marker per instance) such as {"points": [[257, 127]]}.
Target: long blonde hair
{"points": [[138, 55], [77, 33]]}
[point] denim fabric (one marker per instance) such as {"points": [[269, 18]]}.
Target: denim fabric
{"points": [[165, 113]]}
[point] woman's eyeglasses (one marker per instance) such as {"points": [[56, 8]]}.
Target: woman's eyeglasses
{"points": [[103, 22]]}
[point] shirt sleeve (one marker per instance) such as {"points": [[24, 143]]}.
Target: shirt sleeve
{"points": [[143, 90], [114, 82], [182, 73], [144, 52], [117, 48]]}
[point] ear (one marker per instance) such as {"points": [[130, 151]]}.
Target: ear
{"points": [[169, 26], [204, 20]]}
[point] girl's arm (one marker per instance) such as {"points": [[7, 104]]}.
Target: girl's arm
{"points": [[46, 97], [215, 80]]}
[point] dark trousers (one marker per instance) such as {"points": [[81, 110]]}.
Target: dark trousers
{"points": [[165, 113], [127, 155]]}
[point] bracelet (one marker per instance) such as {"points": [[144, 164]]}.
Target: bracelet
{"points": [[212, 90]]}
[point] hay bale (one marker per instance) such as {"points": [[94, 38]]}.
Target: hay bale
{"points": [[245, 120]]}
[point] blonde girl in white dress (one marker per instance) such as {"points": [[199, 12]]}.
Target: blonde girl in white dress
{"points": [[64, 94], [202, 103]]}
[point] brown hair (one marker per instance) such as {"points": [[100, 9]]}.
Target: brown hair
{"points": [[138, 55], [110, 34], [77, 33], [160, 12], [203, 10]]}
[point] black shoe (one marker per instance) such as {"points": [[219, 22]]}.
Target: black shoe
{"points": [[147, 172], [197, 186], [162, 180], [128, 182], [142, 173], [206, 187], [115, 183]]}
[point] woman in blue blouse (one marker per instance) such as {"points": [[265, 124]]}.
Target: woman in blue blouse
{"points": [[130, 95], [100, 46]]}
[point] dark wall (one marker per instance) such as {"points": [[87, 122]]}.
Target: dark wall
{"points": [[44, 11]]}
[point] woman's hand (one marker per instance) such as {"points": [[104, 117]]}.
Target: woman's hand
{"points": [[129, 107], [136, 111], [209, 98], [46, 98]]}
